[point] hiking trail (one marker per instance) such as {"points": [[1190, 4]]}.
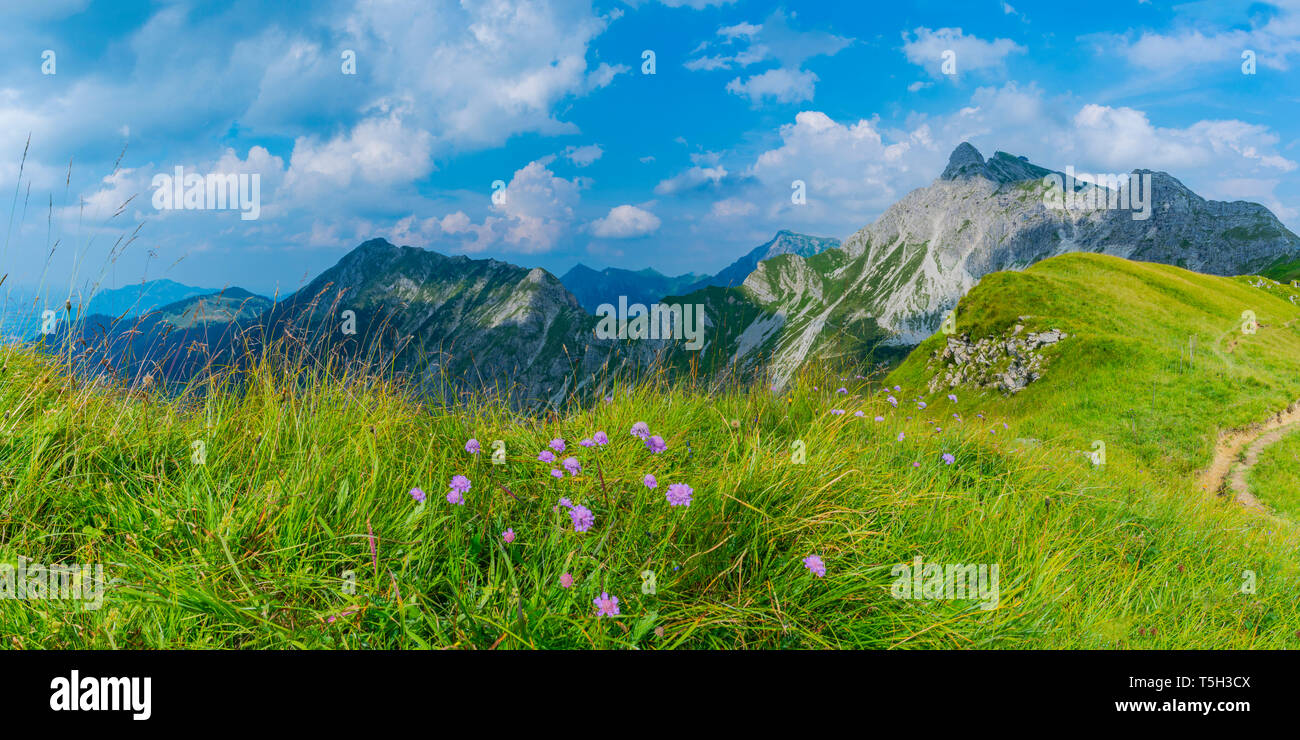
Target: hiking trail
{"points": [[1253, 439]]}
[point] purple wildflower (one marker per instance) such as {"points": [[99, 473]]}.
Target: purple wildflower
{"points": [[606, 605], [952, 398], [571, 465], [472, 447], [949, 459], [460, 483], [837, 412], [641, 430], [656, 444], [842, 390], [566, 581], [858, 414], [455, 497], [650, 481], [920, 404], [880, 418], [555, 473], [588, 442], [600, 438], [900, 436], [679, 494], [557, 444], [566, 503], [508, 536], [892, 401], [417, 494], [546, 456], [814, 563], [582, 518]]}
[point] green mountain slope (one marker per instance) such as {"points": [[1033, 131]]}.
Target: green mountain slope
{"points": [[895, 279], [1126, 373]]}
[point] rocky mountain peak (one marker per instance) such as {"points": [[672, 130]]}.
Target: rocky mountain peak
{"points": [[965, 161]]}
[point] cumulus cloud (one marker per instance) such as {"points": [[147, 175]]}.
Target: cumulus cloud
{"points": [[1275, 39], [377, 151], [581, 156], [624, 222], [781, 84], [434, 80], [925, 48], [773, 41], [691, 178]]}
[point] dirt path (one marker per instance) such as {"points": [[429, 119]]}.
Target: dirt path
{"points": [[1253, 439]]}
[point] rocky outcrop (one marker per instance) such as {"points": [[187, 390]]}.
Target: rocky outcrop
{"points": [[1006, 363]]}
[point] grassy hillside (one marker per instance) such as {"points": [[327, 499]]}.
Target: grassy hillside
{"points": [[298, 529], [1284, 270], [1128, 374], [1275, 479]]}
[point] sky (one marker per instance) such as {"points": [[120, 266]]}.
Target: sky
{"points": [[402, 119]]}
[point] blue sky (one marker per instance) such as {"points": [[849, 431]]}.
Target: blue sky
{"points": [[682, 170]]}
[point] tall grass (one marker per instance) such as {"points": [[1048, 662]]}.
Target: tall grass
{"points": [[304, 492]]}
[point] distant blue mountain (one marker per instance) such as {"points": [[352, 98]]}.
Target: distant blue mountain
{"points": [[594, 287], [21, 308], [141, 298], [785, 242]]}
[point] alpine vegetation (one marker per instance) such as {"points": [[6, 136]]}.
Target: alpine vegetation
{"points": [[34, 581], [951, 581], [659, 321]]}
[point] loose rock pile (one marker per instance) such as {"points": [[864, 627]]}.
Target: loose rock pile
{"points": [[1007, 363]]}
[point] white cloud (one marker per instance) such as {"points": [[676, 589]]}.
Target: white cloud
{"points": [[691, 178], [581, 156], [1274, 42], [695, 4], [535, 216], [925, 48], [495, 68], [782, 85], [745, 44], [1124, 138], [377, 151], [625, 222], [538, 209], [732, 208]]}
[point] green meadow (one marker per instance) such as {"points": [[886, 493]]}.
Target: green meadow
{"points": [[273, 507]]}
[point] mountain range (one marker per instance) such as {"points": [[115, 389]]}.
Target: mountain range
{"points": [[891, 282], [592, 287], [462, 325]]}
